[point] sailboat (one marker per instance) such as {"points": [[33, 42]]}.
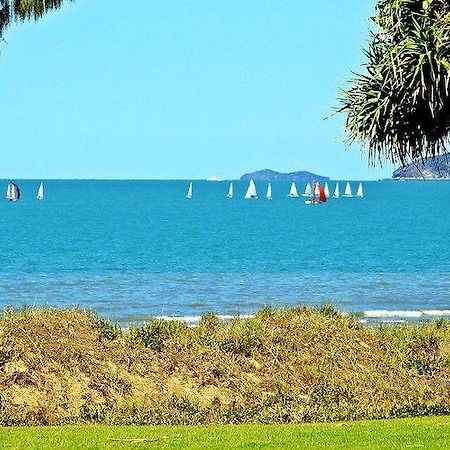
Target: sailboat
{"points": [[359, 192], [251, 191], [336, 191], [269, 191], [318, 196], [230, 191], [293, 191], [348, 190], [40, 192], [327, 190], [189, 192], [308, 190], [13, 192]]}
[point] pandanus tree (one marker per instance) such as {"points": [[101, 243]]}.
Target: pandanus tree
{"points": [[399, 107], [21, 10]]}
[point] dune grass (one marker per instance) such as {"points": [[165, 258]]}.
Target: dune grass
{"points": [[62, 367], [429, 432]]}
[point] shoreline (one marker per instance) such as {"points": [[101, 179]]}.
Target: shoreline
{"points": [[370, 317], [367, 317]]}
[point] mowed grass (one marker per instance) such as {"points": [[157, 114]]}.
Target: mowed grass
{"points": [[426, 432]]}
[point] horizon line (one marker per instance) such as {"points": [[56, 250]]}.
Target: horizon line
{"points": [[178, 179]]}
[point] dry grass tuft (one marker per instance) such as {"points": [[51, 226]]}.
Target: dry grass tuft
{"points": [[292, 365]]}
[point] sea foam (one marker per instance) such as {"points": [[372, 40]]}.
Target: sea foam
{"points": [[382, 313]]}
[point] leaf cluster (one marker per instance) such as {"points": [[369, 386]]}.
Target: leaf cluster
{"points": [[22, 10], [400, 107]]}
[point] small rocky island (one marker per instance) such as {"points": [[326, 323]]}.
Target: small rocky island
{"points": [[272, 175], [437, 168]]}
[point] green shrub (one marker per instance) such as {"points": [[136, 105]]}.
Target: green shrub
{"points": [[108, 330], [329, 310], [156, 332], [242, 338]]}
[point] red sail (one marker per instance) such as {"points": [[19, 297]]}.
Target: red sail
{"points": [[322, 196]]}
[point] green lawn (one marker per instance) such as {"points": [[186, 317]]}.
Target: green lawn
{"points": [[428, 432]]}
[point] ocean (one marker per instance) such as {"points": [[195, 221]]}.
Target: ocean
{"points": [[134, 249]]}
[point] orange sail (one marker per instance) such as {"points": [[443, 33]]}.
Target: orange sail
{"points": [[322, 196]]}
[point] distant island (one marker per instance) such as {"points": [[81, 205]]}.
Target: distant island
{"points": [[437, 168], [272, 175]]}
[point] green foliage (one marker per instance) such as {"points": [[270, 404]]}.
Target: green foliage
{"points": [[90, 412], [241, 340], [400, 107], [108, 330], [209, 322], [156, 332], [21, 10], [330, 311]]}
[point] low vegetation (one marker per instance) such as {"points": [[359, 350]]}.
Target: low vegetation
{"points": [[285, 366]]}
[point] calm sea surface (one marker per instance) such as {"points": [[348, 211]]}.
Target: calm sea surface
{"points": [[132, 249]]}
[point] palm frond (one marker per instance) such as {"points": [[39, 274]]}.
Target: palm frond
{"points": [[400, 107], [21, 10]]}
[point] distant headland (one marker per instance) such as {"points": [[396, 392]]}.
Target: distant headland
{"points": [[272, 175], [436, 168]]}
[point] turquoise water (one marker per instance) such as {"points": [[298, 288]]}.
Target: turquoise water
{"points": [[131, 249]]}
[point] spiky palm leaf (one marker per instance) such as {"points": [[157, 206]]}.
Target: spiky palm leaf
{"points": [[14, 10], [400, 108]]}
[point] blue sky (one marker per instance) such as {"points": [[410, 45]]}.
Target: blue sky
{"points": [[181, 89]]}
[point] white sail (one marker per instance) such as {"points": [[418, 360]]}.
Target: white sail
{"points": [[348, 190], [251, 191], [316, 190], [327, 190], [293, 191], [359, 192], [336, 191], [269, 192], [14, 193], [9, 191], [189, 192], [308, 190], [40, 192], [230, 191]]}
